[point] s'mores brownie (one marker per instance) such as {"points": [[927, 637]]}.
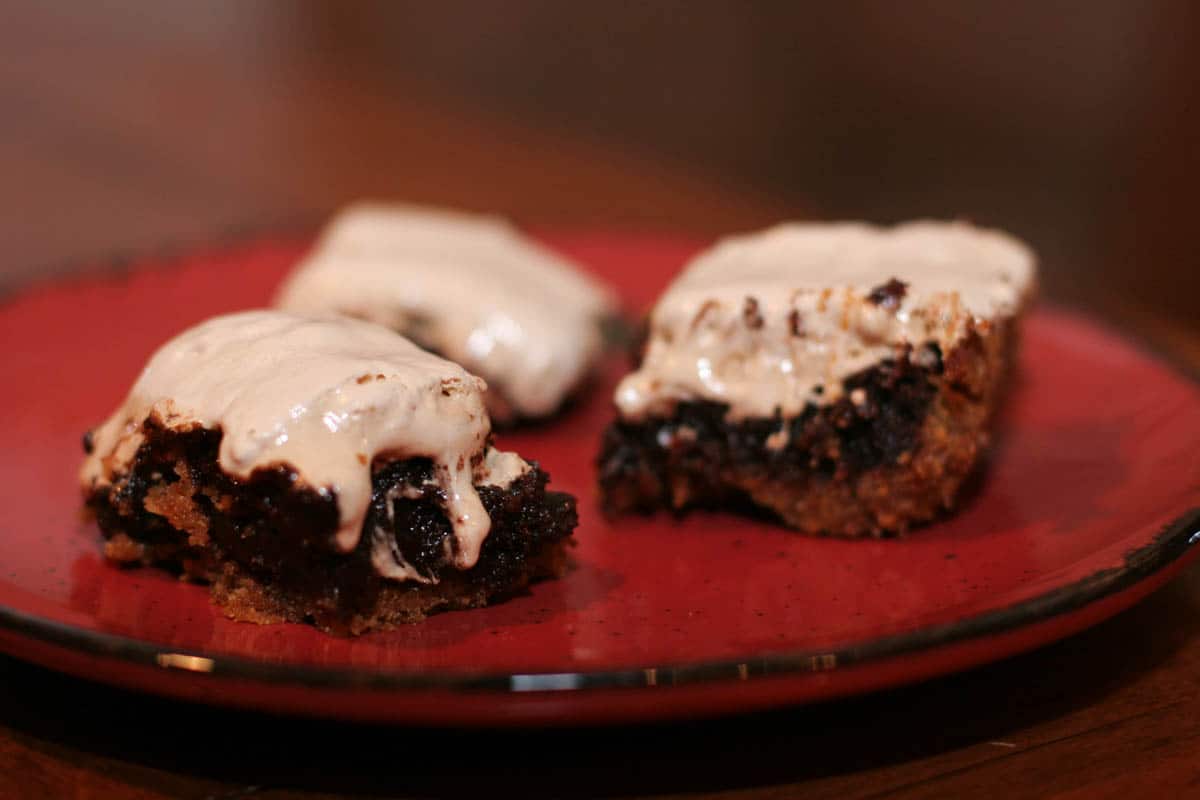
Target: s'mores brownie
{"points": [[841, 376], [320, 470], [470, 288]]}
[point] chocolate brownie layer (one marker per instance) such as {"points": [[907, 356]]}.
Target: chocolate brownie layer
{"points": [[892, 451], [267, 545]]}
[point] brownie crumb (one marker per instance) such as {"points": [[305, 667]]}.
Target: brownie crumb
{"points": [[796, 322], [888, 295], [751, 315], [89, 443]]}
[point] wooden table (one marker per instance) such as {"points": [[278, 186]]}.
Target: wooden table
{"points": [[123, 132]]}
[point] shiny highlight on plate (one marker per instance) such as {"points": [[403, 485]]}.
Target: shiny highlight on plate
{"points": [[185, 662]]}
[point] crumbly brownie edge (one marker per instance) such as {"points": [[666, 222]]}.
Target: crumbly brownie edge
{"points": [[895, 458], [266, 543], [244, 597]]}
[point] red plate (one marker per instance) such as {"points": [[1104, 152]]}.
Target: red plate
{"points": [[1089, 503]]}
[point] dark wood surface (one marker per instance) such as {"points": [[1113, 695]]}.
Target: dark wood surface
{"points": [[128, 127]]}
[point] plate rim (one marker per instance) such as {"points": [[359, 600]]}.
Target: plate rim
{"points": [[1171, 544]]}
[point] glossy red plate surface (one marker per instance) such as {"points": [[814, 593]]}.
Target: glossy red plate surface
{"points": [[1089, 502]]}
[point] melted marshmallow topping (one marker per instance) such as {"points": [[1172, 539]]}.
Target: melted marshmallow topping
{"points": [[778, 319], [323, 397], [471, 288]]}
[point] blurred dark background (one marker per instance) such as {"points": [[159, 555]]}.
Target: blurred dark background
{"points": [[126, 125]]}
